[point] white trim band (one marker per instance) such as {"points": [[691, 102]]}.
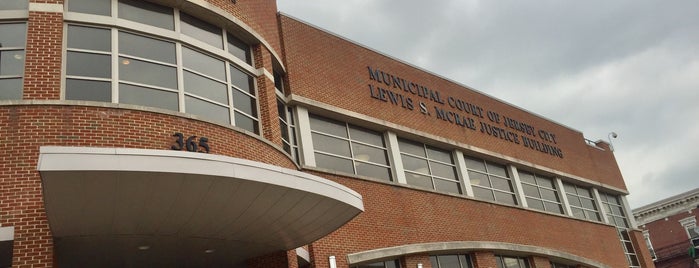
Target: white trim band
{"points": [[43, 7]]}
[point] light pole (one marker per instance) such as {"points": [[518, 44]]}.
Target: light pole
{"points": [[610, 136]]}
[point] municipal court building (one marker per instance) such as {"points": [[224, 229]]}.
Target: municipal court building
{"points": [[221, 133]]}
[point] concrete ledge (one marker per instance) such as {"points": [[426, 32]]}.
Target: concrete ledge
{"points": [[7, 233], [43, 7], [463, 246]]}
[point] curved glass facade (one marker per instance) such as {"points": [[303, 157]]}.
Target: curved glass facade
{"points": [[160, 57]]}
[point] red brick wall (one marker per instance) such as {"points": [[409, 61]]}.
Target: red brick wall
{"points": [[397, 216], [267, 97], [282, 259], [42, 74], [669, 239], [642, 252], [483, 259], [411, 261], [23, 129], [260, 15], [668, 232], [330, 70], [539, 262]]}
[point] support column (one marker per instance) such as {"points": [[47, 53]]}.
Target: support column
{"points": [[484, 259], [42, 65], [412, 261], [539, 262], [267, 97]]}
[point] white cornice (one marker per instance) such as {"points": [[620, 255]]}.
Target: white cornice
{"points": [[667, 207]]}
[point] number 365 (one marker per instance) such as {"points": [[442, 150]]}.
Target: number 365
{"points": [[192, 144]]}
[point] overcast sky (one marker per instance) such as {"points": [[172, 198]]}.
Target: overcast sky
{"points": [[629, 66]]}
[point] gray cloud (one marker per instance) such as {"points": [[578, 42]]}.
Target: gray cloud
{"points": [[597, 66]]}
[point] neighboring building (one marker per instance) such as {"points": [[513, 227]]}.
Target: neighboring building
{"points": [[670, 229], [212, 133]]}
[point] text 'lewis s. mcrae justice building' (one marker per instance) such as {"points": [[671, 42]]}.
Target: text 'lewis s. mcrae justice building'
{"points": [[219, 133]]}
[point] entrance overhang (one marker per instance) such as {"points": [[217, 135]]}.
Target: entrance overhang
{"points": [[116, 207]]}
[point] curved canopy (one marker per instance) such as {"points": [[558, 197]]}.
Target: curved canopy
{"points": [[113, 207]]}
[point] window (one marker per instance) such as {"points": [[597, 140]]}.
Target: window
{"points": [[558, 265], [614, 210], [288, 129], [383, 264], [511, 262], [628, 248], [429, 167], [690, 225], [451, 261], [155, 70], [350, 149], [490, 181], [541, 192], [95, 7], [287, 124], [147, 13], [582, 204], [14, 5], [646, 237], [13, 37]]}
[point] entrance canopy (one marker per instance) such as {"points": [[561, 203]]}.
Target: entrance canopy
{"points": [[115, 207]]}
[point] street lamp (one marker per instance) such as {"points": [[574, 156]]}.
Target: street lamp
{"points": [[610, 136]]}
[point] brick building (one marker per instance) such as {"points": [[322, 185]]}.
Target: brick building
{"points": [[670, 229], [216, 133]]}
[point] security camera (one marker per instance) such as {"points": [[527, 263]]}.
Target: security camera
{"points": [[613, 135]]}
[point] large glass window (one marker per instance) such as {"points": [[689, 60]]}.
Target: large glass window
{"points": [[201, 30], [154, 70], [649, 244], [14, 4], [451, 261], [541, 192], [628, 248], [13, 37], [511, 262], [239, 49], [582, 204], [429, 167], [490, 181], [147, 13], [350, 149], [287, 126], [614, 210], [95, 7]]}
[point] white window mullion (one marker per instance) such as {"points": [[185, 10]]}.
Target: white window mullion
{"points": [[600, 207], [462, 172], [180, 77], [64, 62], [563, 196], [115, 8], [394, 155], [517, 184], [115, 65], [306, 150]]}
